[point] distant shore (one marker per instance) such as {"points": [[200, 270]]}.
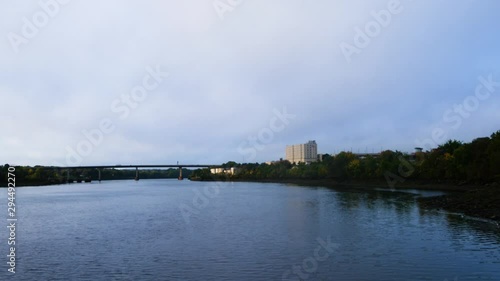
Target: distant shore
{"points": [[50, 183]]}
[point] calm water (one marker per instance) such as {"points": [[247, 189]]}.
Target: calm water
{"points": [[169, 230]]}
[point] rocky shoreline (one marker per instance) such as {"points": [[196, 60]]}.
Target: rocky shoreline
{"points": [[482, 203], [358, 184], [473, 200]]}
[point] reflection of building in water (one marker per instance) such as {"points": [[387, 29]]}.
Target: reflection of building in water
{"points": [[305, 153]]}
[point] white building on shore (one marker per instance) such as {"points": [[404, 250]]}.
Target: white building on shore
{"points": [[230, 171], [305, 153]]}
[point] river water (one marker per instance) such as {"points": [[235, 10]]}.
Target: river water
{"points": [[182, 230]]}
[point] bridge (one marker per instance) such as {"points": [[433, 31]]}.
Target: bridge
{"points": [[100, 167]]}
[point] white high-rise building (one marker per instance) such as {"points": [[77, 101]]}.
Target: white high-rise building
{"points": [[306, 153]]}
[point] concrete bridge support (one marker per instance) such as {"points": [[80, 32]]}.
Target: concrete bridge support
{"points": [[136, 173], [180, 174]]}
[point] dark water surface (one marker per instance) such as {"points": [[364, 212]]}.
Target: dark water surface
{"points": [[182, 230]]}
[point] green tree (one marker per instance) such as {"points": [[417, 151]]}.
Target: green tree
{"points": [[494, 156]]}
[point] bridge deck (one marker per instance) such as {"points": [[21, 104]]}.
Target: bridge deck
{"points": [[139, 166]]}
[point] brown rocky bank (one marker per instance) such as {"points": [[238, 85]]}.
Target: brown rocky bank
{"points": [[482, 203]]}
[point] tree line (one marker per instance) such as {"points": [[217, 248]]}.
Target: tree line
{"points": [[453, 162], [40, 175]]}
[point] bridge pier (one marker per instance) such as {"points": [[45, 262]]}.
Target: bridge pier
{"points": [[136, 173], [180, 174], [99, 171], [67, 176]]}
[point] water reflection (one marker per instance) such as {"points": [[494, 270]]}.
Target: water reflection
{"points": [[399, 202], [249, 231]]}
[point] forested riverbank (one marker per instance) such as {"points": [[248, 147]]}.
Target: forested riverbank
{"points": [[453, 163], [40, 175], [472, 168]]}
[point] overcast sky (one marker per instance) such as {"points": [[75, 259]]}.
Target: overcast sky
{"points": [[140, 82]]}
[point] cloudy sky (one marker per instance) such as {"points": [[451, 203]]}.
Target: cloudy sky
{"points": [[160, 81]]}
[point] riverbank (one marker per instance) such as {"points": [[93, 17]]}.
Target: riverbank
{"points": [[380, 184], [32, 183], [358, 184], [482, 203], [54, 182], [474, 200]]}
